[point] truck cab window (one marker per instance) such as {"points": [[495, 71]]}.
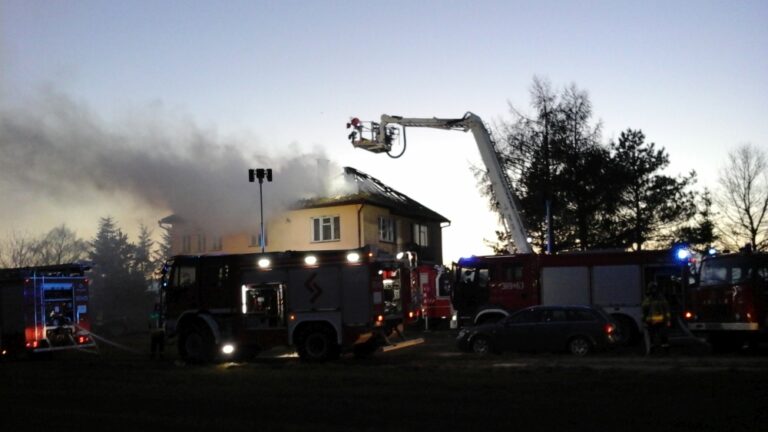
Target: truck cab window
{"points": [[182, 276]]}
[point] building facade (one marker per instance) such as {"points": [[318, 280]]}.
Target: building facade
{"points": [[372, 215]]}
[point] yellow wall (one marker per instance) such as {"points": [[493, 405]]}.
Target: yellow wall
{"points": [[293, 231]]}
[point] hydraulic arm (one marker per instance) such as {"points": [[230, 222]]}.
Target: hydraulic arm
{"points": [[382, 135]]}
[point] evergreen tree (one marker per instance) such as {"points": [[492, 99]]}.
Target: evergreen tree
{"points": [[649, 203], [118, 291], [701, 234]]}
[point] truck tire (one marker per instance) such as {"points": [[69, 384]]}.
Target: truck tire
{"points": [[317, 343], [196, 344]]}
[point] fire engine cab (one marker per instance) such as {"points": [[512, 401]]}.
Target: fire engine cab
{"points": [[44, 309], [728, 304], [321, 302]]}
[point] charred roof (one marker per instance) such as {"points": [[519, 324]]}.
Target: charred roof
{"points": [[370, 190]]}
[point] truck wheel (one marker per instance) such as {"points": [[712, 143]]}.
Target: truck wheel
{"points": [[317, 344], [579, 346], [196, 344]]}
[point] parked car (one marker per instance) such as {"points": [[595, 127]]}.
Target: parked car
{"points": [[579, 330]]}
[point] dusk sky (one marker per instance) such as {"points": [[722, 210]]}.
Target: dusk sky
{"points": [[96, 97]]}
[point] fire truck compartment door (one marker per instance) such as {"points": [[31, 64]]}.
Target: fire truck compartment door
{"points": [[616, 285], [565, 285]]}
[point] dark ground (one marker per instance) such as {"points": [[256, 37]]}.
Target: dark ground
{"points": [[426, 387]]}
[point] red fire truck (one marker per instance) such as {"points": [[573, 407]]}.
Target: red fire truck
{"points": [[728, 304], [432, 286], [489, 287], [44, 309], [321, 302]]}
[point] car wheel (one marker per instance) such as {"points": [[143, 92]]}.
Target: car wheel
{"points": [[579, 346], [481, 345]]}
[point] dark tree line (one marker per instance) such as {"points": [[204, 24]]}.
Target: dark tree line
{"points": [[597, 195]]}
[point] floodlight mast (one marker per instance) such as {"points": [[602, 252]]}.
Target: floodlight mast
{"points": [[382, 136]]}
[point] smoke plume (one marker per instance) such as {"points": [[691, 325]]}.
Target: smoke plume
{"points": [[55, 149]]}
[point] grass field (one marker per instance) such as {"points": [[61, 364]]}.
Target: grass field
{"points": [[423, 388]]}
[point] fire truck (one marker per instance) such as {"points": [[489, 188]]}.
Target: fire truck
{"points": [[487, 288], [727, 305], [44, 309], [432, 287], [323, 303]]}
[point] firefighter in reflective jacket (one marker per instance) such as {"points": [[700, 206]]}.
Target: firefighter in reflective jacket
{"points": [[657, 317]]}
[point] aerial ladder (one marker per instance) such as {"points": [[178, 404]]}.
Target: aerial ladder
{"points": [[380, 137]]}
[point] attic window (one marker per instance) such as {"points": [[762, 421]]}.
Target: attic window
{"points": [[326, 228]]}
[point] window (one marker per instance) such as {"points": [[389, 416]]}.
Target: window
{"points": [[512, 273], [186, 244], [217, 244], [201, 243], [386, 229], [526, 316], [182, 276], [580, 315], [421, 234], [326, 228]]}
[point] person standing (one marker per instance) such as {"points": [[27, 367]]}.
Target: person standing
{"points": [[156, 332], [657, 318]]}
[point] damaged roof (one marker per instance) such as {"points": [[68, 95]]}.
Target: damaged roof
{"points": [[371, 190]]}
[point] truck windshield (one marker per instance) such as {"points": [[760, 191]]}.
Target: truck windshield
{"points": [[730, 270]]}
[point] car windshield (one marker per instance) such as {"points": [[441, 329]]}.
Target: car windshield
{"points": [[729, 270]]}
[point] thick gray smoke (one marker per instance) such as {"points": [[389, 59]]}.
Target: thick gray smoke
{"points": [[54, 148]]}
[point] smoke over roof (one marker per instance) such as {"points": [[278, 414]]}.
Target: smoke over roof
{"points": [[55, 149]]}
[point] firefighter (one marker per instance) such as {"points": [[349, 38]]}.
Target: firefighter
{"points": [[657, 318], [156, 332]]}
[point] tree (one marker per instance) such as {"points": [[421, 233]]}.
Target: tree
{"points": [[143, 256], [557, 164], [743, 198], [649, 203], [118, 291], [701, 233], [59, 246], [17, 250], [580, 192]]}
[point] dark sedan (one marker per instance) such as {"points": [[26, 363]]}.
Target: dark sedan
{"points": [[579, 330]]}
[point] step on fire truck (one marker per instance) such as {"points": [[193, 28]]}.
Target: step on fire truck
{"points": [[729, 303], [322, 303], [44, 309]]}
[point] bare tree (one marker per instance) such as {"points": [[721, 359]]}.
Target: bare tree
{"points": [[61, 245], [743, 198], [17, 250]]}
